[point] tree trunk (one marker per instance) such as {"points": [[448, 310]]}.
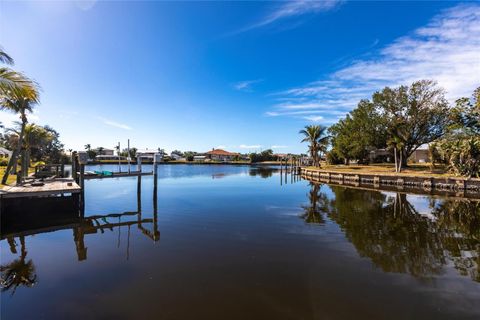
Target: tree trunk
{"points": [[16, 152], [400, 162], [395, 157]]}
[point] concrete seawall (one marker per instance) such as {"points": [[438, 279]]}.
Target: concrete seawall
{"points": [[465, 186]]}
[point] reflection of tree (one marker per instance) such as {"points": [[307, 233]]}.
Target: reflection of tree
{"points": [[18, 272], [461, 218], [397, 238], [314, 212], [264, 172]]}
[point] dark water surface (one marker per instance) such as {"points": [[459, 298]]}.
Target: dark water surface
{"points": [[232, 242]]}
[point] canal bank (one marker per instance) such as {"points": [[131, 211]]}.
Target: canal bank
{"points": [[465, 186]]}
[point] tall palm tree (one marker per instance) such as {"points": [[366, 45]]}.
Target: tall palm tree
{"points": [[316, 136], [19, 105], [18, 94]]}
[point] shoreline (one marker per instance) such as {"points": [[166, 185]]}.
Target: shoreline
{"points": [[427, 183]]}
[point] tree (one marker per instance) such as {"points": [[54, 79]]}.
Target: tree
{"points": [[90, 153], [414, 115], [20, 105], [14, 84], [18, 94], [460, 148], [316, 136], [362, 130]]}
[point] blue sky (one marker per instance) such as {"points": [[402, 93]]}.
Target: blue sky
{"points": [[243, 76]]}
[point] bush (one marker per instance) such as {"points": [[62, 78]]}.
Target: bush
{"points": [[462, 155]]}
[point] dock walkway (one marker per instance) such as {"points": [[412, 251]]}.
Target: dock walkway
{"points": [[58, 186]]}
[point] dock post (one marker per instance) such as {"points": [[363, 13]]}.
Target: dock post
{"points": [[74, 165], [139, 162], [82, 176]]}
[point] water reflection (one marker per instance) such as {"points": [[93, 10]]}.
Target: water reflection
{"points": [[314, 212], [396, 236], [19, 272], [42, 215], [262, 171]]}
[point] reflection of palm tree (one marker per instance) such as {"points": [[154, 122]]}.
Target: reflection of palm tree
{"points": [[314, 212], [18, 272]]}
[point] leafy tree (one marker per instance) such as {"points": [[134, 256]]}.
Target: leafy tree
{"points": [[414, 115], [362, 130], [460, 148]]}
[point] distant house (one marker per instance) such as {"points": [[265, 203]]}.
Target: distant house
{"points": [[148, 155], [176, 156], [380, 155], [421, 155], [109, 157], [104, 152], [221, 155], [5, 153], [199, 158]]}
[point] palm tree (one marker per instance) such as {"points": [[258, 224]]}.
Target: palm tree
{"points": [[316, 136], [35, 136], [88, 147], [13, 83], [19, 105], [17, 94]]}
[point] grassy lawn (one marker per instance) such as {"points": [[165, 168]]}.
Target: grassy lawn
{"points": [[11, 178], [387, 168]]}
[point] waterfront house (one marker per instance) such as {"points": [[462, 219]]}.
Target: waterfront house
{"points": [[148, 155], [104, 151], [421, 155], [103, 157], [176, 156], [221, 155], [199, 158]]}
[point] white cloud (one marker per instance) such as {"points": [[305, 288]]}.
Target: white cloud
{"points": [[278, 147], [314, 118], [255, 146], [246, 85], [221, 147], [294, 9], [115, 124], [447, 50]]}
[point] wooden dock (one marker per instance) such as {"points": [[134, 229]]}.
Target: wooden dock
{"points": [[58, 186], [117, 175]]}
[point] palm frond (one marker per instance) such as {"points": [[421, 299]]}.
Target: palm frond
{"points": [[5, 58]]}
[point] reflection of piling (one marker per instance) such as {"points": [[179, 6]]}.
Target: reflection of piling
{"points": [[139, 194]]}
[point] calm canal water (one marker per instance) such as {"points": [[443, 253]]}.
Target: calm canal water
{"points": [[239, 242]]}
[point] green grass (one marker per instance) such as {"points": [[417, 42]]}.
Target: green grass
{"points": [[388, 168], [12, 179]]}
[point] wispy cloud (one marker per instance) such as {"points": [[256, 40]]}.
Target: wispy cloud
{"points": [[278, 147], [289, 9], [447, 50], [246, 85], [115, 124], [314, 118], [254, 146], [221, 147]]}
